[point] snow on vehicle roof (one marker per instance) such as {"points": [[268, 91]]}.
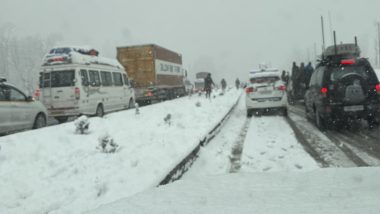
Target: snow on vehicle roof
{"points": [[264, 73], [78, 55]]}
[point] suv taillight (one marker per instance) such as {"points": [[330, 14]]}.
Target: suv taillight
{"points": [[324, 91], [77, 93], [249, 90], [377, 87], [282, 88]]}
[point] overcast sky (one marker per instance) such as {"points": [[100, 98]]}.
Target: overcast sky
{"points": [[227, 37]]}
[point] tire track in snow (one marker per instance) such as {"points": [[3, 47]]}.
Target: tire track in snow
{"points": [[237, 149], [360, 149]]}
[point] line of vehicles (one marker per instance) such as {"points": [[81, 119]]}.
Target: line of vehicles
{"points": [[77, 81], [344, 88]]}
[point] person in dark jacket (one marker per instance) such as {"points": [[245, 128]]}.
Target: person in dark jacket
{"points": [[223, 83], [301, 80], [308, 72], [237, 83], [294, 78], [208, 83]]}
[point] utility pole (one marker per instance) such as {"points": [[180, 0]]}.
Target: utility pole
{"points": [[378, 42], [376, 53]]}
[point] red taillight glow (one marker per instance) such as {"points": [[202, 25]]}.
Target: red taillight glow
{"points": [[282, 88], [58, 59], [324, 90], [347, 62], [149, 94], [249, 90], [377, 87], [77, 93], [37, 93]]}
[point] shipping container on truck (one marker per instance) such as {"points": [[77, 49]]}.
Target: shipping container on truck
{"points": [[156, 72]]}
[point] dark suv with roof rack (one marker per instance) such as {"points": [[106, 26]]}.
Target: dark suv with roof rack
{"points": [[342, 89]]}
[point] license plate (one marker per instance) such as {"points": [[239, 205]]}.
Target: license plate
{"points": [[354, 108], [265, 92]]}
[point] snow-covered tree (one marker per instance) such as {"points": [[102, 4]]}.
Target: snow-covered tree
{"points": [[82, 124], [21, 57], [107, 144]]}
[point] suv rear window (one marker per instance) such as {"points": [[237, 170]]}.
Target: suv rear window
{"points": [[269, 79], [62, 78], [339, 73]]}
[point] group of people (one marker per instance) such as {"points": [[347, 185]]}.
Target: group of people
{"points": [[300, 78], [209, 83]]}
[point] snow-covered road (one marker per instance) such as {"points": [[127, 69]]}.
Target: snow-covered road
{"points": [[269, 145]]}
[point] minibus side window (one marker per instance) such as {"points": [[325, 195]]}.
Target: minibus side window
{"points": [[117, 79], [106, 78], [94, 78], [84, 76], [125, 78]]}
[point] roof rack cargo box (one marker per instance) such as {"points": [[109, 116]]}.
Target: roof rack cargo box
{"points": [[342, 51]]}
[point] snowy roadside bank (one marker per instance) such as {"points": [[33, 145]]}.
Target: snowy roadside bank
{"points": [[57, 171], [326, 190]]}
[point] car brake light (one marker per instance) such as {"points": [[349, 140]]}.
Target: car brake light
{"points": [[37, 93], [347, 62], [282, 88], [249, 90], [377, 88], [77, 93]]}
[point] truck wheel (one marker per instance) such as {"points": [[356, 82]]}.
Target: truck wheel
{"points": [[62, 119], [99, 111]]}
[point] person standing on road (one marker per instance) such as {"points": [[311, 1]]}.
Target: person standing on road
{"points": [[301, 81], [237, 83], [224, 84], [208, 83], [308, 72], [294, 77]]}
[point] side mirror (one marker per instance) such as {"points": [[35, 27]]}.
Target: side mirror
{"points": [[29, 99]]}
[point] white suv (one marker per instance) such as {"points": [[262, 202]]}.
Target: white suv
{"points": [[266, 91], [19, 112]]}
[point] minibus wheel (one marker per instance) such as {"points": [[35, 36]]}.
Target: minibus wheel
{"points": [[99, 111]]}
